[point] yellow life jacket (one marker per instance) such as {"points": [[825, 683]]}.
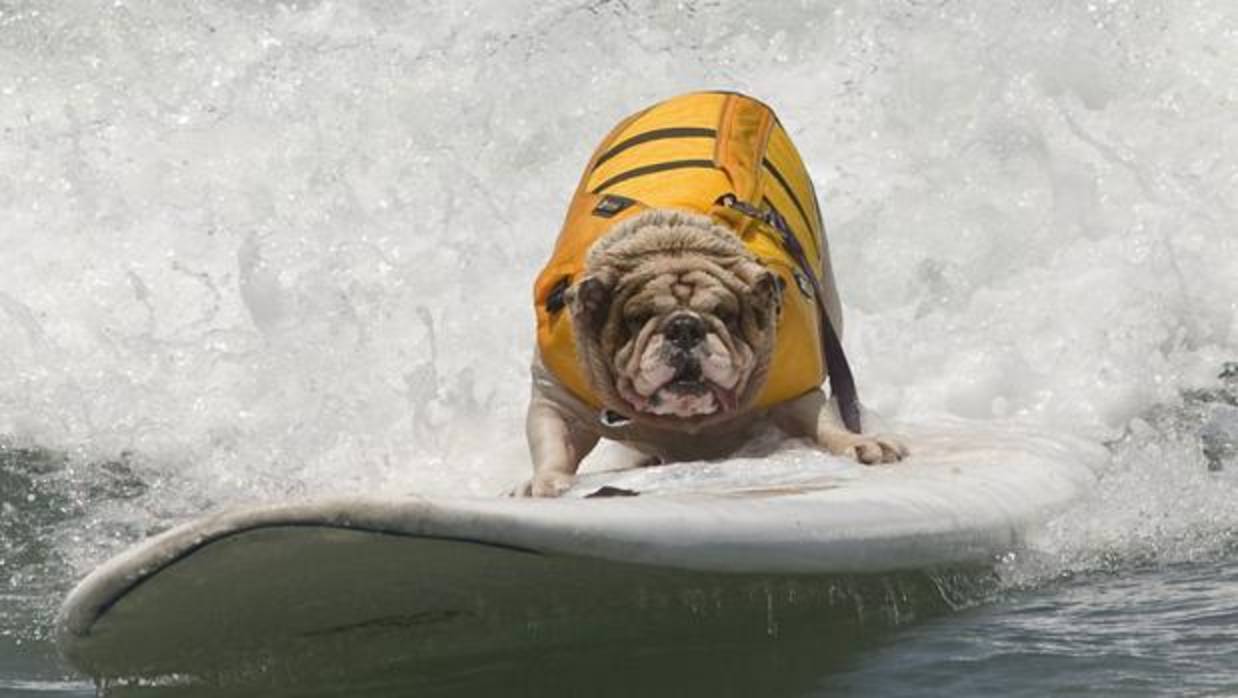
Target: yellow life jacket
{"points": [[719, 154]]}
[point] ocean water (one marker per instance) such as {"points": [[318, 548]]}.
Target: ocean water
{"points": [[252, 251]]}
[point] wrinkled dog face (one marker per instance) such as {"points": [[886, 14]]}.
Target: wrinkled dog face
{"points": [[676, 319]]}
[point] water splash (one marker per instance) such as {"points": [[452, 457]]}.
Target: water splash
{"points": [[1167, 497]]}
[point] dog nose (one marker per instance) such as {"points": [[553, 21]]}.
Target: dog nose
{"points": [[684, 331]]}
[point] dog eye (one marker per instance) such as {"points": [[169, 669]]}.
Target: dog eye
{"points": [[637, 321]]}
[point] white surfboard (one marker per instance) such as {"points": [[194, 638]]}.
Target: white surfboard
{"points": [[453, 576]]}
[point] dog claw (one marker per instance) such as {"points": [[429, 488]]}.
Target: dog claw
{"points": [[891, 451], [867, 452], [551, 485], [871, 450]]}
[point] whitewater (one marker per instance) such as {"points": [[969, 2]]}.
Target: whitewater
{"points": [[271, 250]]}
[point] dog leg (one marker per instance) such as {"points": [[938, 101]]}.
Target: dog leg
{"points": [[557, 448], [811, 415]]}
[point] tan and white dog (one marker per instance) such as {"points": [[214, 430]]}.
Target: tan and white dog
{"points": [[690, 299]]}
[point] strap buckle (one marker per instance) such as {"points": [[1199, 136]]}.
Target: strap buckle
{"points": [[769, 217]]}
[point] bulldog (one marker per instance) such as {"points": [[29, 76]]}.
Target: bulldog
{"points": [[690, 299]]}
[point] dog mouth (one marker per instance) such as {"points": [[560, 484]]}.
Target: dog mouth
{"points": [[689, 398], [683, 375], [685, 394]]}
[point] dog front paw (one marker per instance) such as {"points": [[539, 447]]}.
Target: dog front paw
{"points": [[866, 448], [546, 485]]}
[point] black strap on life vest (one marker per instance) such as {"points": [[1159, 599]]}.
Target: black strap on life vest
{"points": [[842, 383]]}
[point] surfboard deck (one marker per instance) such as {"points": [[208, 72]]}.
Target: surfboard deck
{"points": [[681, 546]]}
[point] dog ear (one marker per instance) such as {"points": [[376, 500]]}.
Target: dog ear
{"points": [[590, 300], [767, 297]]}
